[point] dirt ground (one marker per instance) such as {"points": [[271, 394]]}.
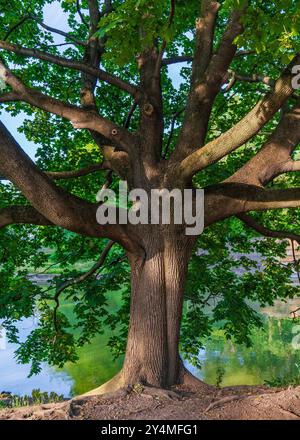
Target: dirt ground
{"points": [[233, 403]]}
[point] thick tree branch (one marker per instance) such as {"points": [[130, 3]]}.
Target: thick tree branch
{"points": [[205, 27], [246, 128], [252, 223], [14, 215], [80, 118], [72, 64], [151, 107], [9, 97], [208, 74], [52, 202], [229, 199], [275, 156]]}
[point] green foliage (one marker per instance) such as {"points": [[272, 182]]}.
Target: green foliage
{"points": [[134, 25], [273, 27]]}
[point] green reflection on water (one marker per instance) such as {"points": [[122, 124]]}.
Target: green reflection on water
{"points": [[224, 363], [96, 364], [271, 357]]}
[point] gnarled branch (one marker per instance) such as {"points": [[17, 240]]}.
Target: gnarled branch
{"points": [[238, 198], [244, 129]]}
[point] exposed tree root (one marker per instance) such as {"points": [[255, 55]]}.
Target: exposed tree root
{"points": [[225, 400], [117, 383], [160, 393], [197, 385], [113, 385]]}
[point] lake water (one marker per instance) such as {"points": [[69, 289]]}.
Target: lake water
{"points": [[271, 356]]}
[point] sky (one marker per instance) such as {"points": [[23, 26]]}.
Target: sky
{"points": [[55, 17]]}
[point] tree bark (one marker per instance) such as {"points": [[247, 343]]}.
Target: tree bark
{"points": [[158, 281]]}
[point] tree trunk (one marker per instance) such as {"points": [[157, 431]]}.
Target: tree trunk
{"points": [[158, 281]]}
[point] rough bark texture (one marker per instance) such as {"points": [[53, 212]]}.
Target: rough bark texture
{"points": [[158, 282]]}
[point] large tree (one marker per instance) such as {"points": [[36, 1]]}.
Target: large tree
{"points": [[106, 103]]}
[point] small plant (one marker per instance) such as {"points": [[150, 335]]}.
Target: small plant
{"points": [[138, 388], [220, 376]]}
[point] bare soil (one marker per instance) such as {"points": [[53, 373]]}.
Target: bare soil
{"points": [[182, 403]]}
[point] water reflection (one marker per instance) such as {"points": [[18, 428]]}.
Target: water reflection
{"points": [[224, 363], [271, 357], [14, 377]]}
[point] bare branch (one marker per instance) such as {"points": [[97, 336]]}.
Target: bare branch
{"points": [[127, 121], [71, 64], [177, 59], [48, 28], [81, 14], [56, 175], [252, 223], [189, 58], [79, 279]]}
